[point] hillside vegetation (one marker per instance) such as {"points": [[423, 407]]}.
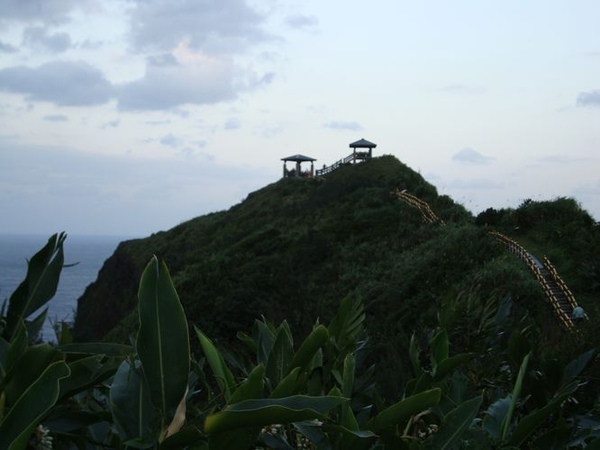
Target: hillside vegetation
{"points": [[294, 249]]}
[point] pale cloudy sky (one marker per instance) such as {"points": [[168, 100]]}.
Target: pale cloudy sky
{"points": [[127, 117]]}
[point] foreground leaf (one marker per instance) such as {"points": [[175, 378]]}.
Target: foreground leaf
{"points": [[27, 412], [130, 404], [39, 286], [162, 341], [217, 364], [404, 409], [529, 423], [456, 423], [261, 412]]}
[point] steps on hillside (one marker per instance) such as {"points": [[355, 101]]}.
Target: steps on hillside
{"points": [[352, 158], [557, 292]]}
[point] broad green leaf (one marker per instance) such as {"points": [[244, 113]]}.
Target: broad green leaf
{"points": [[261, 412], [439, 348], [574, 368], [455, 423], [251, 387], [131, 406], [495, 416], [404, 409], [315, 340], [515, 396], [162, 341], [529, 423], [16, 348], [63, 333], [27, 412], [247, 340], [87, 372], [34, 327], [414, 356], [351, 438], [424, 382], [287, 386], [28, 368], [264, 335], [348, 377], [446, 366], [96, 348], [347, 325], [217, 364], [39, 286], [281, 354]]}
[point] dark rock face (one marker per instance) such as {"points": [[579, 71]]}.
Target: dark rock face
{"points": [[107, 300]]}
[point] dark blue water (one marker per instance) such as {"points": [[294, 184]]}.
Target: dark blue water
{"points": [[89, 252]]}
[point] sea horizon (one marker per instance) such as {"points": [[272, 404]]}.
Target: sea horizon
{"points": [[84, 257]]}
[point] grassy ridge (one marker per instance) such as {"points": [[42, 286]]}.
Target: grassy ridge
{"points": [[295, 248]]}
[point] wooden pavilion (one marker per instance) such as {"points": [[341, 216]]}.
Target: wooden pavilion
{"points": [[360, 144], [297, 170]]}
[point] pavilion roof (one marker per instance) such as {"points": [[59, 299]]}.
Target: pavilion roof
{"points": [[362, 143], [298, 158]]}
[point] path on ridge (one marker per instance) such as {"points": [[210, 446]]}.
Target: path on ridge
{"points": [[558, 294]]}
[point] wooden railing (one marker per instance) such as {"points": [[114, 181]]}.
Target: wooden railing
{"points": [[538, 269], [555, 289], [428, 215], [561, 284], [342, 162]]}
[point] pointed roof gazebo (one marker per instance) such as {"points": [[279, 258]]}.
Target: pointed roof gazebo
{"points": [[297, 171], [362, 143]]}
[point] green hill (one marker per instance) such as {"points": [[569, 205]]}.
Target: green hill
{"points": [[294, 249]]}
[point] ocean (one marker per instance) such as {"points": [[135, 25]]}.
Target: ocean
{"points": [[89, 252]]}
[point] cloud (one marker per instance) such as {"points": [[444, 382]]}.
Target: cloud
{"points": [[162, 60], [591, 99], [7, 48], [214, 26], [170, 140], [165, 87], [111, 124], [64, 83], [188, 77], [232, 124], [470, 156], [350, 126], [53, 12], [300, 21], [91, 45], [157, 122], [38, 38], [56, 118]]}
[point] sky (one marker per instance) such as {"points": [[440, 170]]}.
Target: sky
{"points": [[129, 117]]}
